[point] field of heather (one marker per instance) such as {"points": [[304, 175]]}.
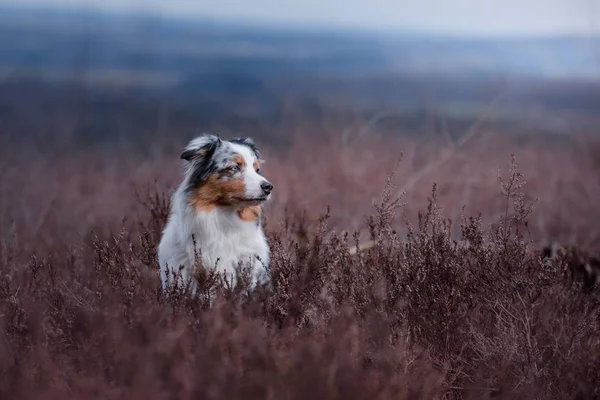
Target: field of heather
{"points": [[453, 298]]}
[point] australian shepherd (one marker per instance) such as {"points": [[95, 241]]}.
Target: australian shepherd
{"points": [[215, 213]]}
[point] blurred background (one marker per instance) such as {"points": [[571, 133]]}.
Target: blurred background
{"points": [[97, 99]]}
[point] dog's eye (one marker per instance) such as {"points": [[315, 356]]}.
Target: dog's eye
{"points": [[258, 170], [234, 168]]}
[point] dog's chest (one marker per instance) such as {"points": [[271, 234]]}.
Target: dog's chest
{"points": [[229, 240]]}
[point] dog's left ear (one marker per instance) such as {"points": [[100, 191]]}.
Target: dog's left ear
{"points": [[188, 154], [200, 146]]}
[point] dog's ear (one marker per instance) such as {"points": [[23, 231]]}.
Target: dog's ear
{"points": [[188, 154], [199, 155], [200, 147], [247, 141]]}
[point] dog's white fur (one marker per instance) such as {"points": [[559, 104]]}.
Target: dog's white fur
{"points": [[222, 238]]}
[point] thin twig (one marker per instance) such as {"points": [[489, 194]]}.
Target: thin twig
{"points": [[471, 133]]}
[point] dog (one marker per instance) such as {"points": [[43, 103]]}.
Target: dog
{"points": [[216, 212]]}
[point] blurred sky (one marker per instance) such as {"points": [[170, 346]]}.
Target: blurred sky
{"points": [[471, 17]]}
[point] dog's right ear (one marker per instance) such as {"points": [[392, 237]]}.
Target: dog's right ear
{"points": [[200, 147]]}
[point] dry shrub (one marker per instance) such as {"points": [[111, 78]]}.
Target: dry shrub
{"points": [[429, 314], [48, 188]]}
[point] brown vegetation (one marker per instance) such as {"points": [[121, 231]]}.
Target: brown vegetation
{"points": [[448, 302]]}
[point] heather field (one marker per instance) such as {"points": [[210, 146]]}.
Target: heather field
{"points": [[450, 297], [434, 225]]}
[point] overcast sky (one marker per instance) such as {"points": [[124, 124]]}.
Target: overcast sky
{"points": [[472, 17]]}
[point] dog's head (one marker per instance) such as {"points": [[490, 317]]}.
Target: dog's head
{"points": [[224, 173]]}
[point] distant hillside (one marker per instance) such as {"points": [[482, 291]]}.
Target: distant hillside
{"points": [[216, 70]]}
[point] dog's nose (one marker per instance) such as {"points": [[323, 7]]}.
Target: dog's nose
{"points": [[266, 187]]}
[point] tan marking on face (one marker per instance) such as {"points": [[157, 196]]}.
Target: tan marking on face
{"points": [[250, 214], [255, 165], [239, 160], [216, 193]]}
